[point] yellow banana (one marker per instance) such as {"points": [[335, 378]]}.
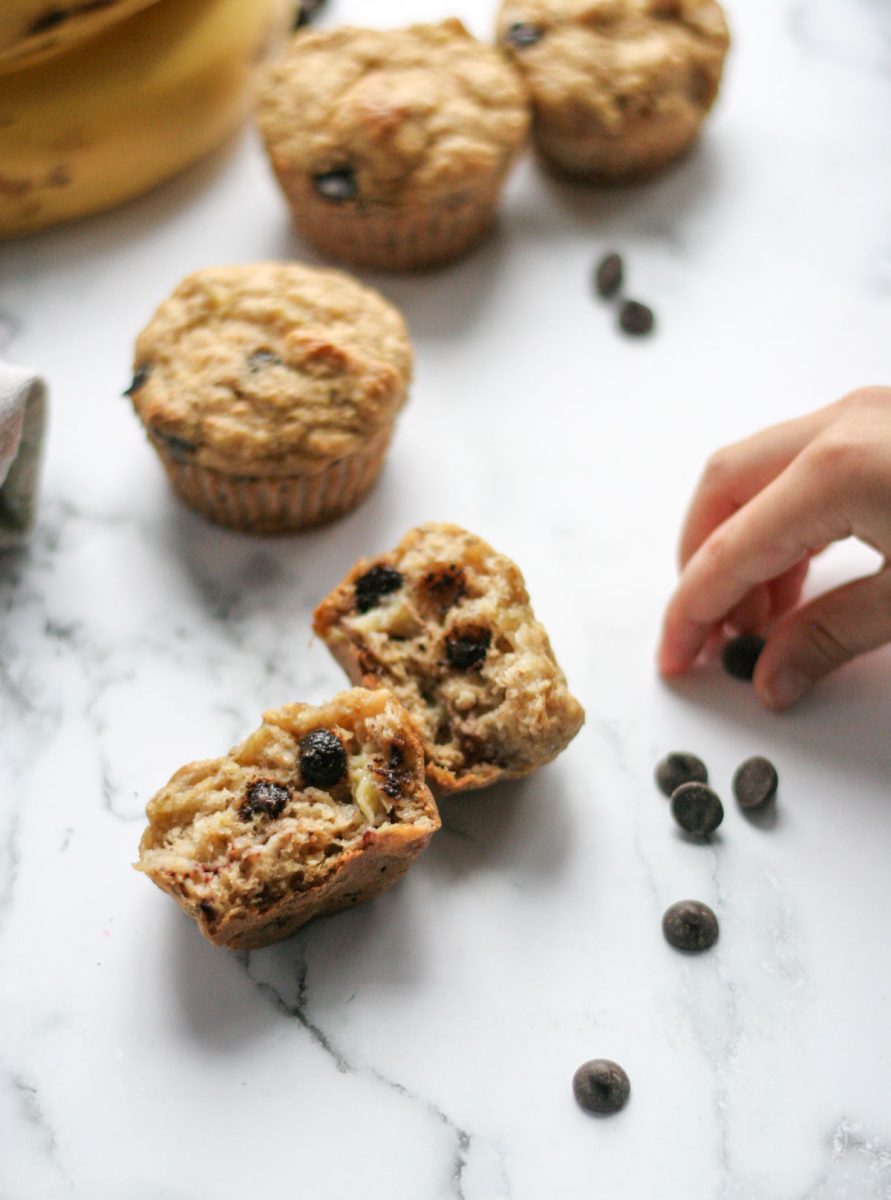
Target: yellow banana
{"points": [[129, 108], [35, 29]]}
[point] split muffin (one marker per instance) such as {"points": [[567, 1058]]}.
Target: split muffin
{"points": [[392, 146], [319, 809], [619, 88], [269, 392], [444, 623]]}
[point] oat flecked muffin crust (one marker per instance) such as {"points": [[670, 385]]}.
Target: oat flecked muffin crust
{"points": [[392, 145], [319, 809], [620, 88], [444, 622], [270, 390]]}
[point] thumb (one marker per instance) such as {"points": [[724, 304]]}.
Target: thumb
{"points": [[830, 631]]}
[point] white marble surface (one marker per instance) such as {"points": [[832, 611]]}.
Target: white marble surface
{"points": [[422, 1046]]}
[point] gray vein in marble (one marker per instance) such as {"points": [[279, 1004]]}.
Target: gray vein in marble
{"points": [[32, 1113], [859, 1166]]}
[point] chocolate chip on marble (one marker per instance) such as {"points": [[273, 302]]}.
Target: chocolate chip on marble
{"points": [[740, 655], [690, 925], [374, 584], [322, 759], [260, 359], [609, 275], [755, 782], [468, 647], [601, 1086], [677, 768], [636, 318], [697, 809], [337, 186], [139, 379], [523, 34], [264, 798]]}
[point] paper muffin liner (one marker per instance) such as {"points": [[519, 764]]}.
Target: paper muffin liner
{"points": [[393, 238], [276, 504]]}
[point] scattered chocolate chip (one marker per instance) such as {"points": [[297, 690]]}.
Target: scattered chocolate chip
{"points": [[264, 798], [609, 275], [336, 186], [179, 448], [755, 782], [740, 655], [307, 10], [690, 925], [677, 768], [523, 34], [207, 910], [322, 759], [260, 359], [376, 583], [394, 776], [139, 379], [601, 1086], [636, 318], [468, 647], [697, 809]]}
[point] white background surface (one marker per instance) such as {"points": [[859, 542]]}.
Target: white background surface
{"points": [[422, 1047]]}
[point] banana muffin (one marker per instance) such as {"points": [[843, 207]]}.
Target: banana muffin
{"points": [[392, 146], [270, 391], [319, 809], [444, 622], [620, 88]]}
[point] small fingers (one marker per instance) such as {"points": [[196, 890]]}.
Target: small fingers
{"points": [[812, 642]]}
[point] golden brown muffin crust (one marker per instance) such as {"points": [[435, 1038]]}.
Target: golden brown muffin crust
{"points": [[270, 369]]}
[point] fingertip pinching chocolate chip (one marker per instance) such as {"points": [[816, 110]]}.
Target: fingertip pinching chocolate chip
{"points": [[609, 275], [690, 925], [740, 656], [371, 587], [677, 768], [523, 34], [636, 318], [755, 782], [264, 798], [601, 1086], [322, 759], [337, 186], [697, 809]]}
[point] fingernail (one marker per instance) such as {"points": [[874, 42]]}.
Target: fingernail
{"points": [[787, 686]]}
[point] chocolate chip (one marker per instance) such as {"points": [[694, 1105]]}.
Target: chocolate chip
{"points": [[322, 759], [755, 782], [336, 186], [139, 379], [179, 448], [468, 647], [523, 34], [377, 582], [677, 768], [609, 275], [601, 1086], [740, 655], [307, 10], [690, 925], [636, 318], [207, 910], [697, 809], [264, 798], [260, 359]]}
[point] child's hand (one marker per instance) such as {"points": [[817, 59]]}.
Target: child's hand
{"points": [[763, 508]]}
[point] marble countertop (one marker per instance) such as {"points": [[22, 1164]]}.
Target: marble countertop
{"points": [[421, 1047]]}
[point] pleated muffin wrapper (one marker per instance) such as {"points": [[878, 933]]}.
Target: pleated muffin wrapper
{"points": [[276, 504], [394, 237]]}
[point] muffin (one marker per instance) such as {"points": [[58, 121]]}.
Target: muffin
{"points": [[392, 146], [444, 622], [319, 809], [620, 88], [270, 391]]}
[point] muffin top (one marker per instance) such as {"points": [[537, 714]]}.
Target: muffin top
{"points": [[616, 60], [270, 369], [392, 114]]}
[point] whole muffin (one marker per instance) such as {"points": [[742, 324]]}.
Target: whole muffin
{"points": [[620, 88], [392, 146], [269, 392]]}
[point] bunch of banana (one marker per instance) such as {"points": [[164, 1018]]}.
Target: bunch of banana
{"points": [[34, 29], [114, 114]]}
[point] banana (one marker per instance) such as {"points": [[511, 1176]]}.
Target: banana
{"points": [[35, 29], [106, 121]]}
